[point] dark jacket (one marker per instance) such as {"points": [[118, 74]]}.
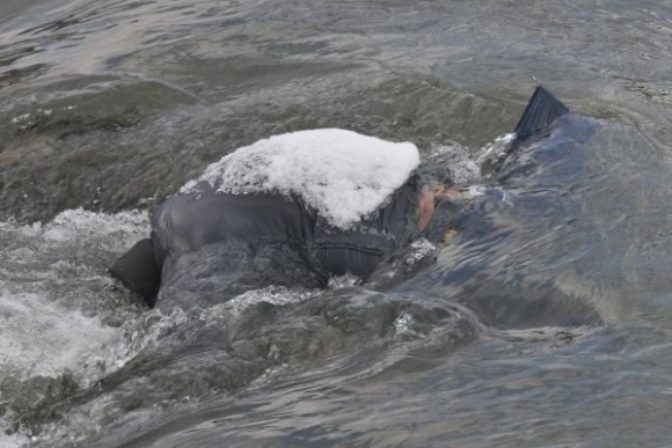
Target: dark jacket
{"points": [[187, 223]]}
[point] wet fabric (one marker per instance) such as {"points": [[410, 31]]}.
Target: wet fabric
{"points": [[213, 246], [358, 251], [139, 271], [223, 270], [541, 111]]}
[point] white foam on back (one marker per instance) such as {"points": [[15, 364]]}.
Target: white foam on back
{"points": [[342, 174]]}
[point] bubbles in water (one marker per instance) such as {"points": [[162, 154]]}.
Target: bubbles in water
{"points": [[453, 161], [10, 441], [154, 326], [402, 325], [42, 338], [78, 224], [58, 306], [494, 151], [343, 281], [274, 295], [51, 313], [462, 165], [419, 250]]}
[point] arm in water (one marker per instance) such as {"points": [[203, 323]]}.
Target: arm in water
{"points": [[541, 111]]}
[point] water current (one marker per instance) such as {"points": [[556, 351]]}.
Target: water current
{"points": [[545, 321]]}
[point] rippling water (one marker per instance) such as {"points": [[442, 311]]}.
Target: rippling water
{"points": [[544, 321]]}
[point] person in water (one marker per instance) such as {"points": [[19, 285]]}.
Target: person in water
{"points": [[288, 230]]}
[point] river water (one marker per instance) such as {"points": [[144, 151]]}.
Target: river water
{"points": [[545, 321]]}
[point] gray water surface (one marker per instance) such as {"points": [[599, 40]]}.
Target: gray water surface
{"points": [[545, 321]]}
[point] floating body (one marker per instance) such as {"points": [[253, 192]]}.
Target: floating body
{"points": [[213, 240]]}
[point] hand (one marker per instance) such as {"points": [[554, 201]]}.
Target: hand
{"points": [[425, 208], [442, 191]]}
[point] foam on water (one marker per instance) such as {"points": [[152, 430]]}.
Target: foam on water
{"points": [[58, 305], [11, 441], [273, 295], [151, 329], [463, 165], [74, 225], [495, 149], [457, 160], [47, 310], [419, 250], [42, 338], [342, 174]]}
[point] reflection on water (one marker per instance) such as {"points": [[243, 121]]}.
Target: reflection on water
{"points": [[544, 321]]}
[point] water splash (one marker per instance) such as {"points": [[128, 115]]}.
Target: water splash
{"points": [[42, 338], [452, 161], [494, 151], [49, 313]]}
